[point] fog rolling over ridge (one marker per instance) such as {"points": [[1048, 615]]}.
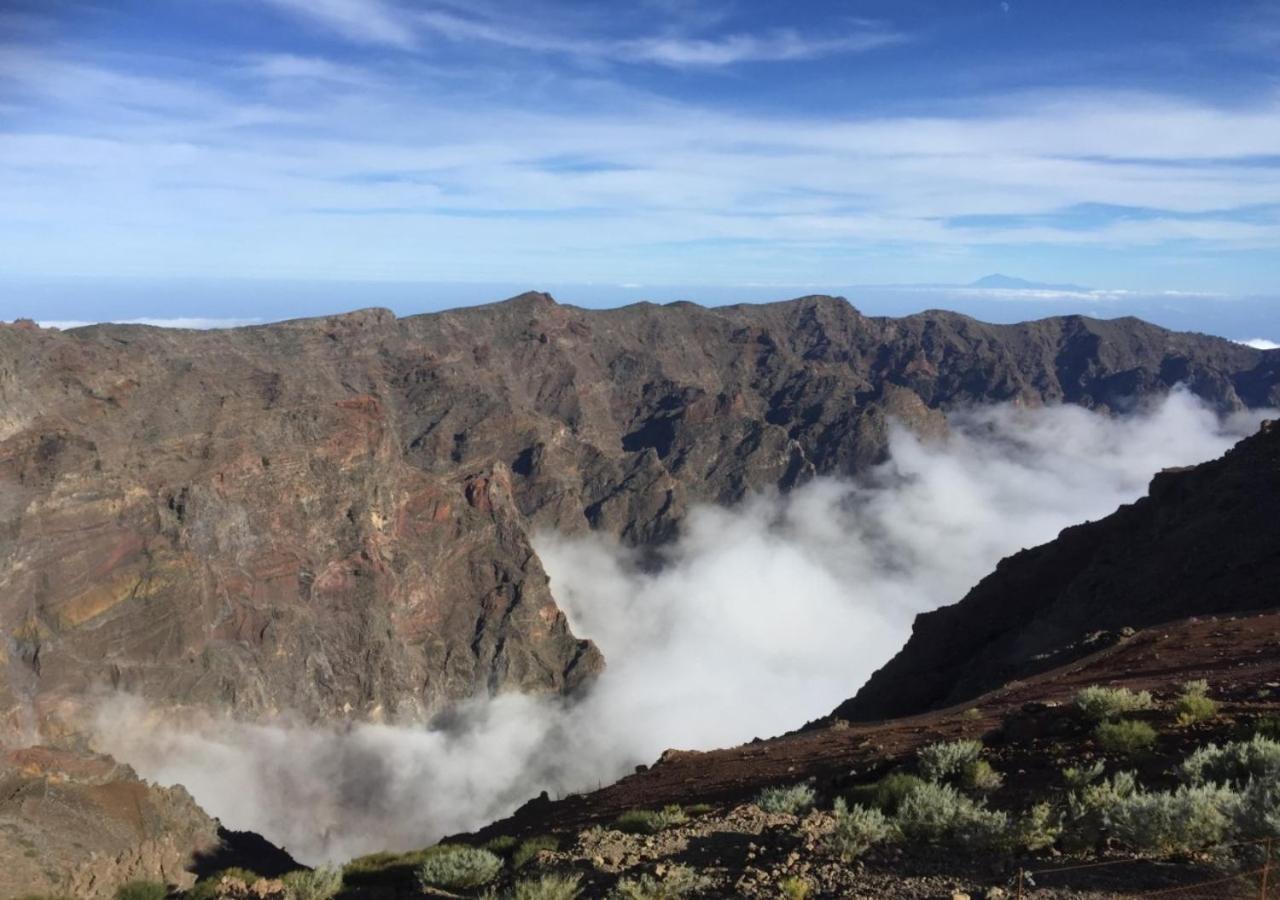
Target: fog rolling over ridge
{"points": [[764, 615]]}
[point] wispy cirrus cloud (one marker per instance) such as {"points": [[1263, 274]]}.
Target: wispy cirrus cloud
{"points": [[376, 21], [313, 157], [361, 21], [770, 47], [677, 50]]}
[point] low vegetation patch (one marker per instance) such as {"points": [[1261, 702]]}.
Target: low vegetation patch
{"points": [[458, 866], [857, 829], [1039, 828], [1194, 704], [886, 794], [1088, 809], [383, 862], [1235, 763], [547, 887], [938, 813], [1179, 821], [142, 890], [947, 760], [316, 884], [650, 821], [795, 888], [531, 847], [503, 844], [796, 799], [1099, 704], [1076, 778], [1267, 727], [1126, 736], [679, 881], [980, 776]]}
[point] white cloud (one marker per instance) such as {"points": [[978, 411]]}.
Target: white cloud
{"points": [[362, 21], [1260, 344], [766, 615], [395, 170], [284, 66], [739, 48], [668, 50], [195, 323]]}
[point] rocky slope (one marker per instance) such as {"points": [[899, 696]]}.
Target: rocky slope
{"points": [[1030, 733], [332, 516], [1205, 540], [78, 825]]}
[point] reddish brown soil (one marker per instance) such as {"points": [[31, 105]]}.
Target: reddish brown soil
{"points": [[1239, 657]]}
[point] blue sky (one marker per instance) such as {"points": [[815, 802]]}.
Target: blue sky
{"points": [[259, 158]]}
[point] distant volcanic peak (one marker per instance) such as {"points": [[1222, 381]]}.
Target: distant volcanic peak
{"points": [[997, 281], [527, 299]]}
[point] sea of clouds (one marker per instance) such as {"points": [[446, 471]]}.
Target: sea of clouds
{"points": [[763, 616]]}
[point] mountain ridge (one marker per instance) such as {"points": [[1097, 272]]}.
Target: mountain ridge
{"points": [[331, 516]]}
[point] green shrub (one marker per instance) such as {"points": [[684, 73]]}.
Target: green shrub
{"points": [[1258, 812], [546, 887], [378, 865], [1039, 828], [1267, 727], [699, 809], [1126, 736], [938, 813], [1101, 703], [796, 799], [458, 866], [1078, 778], [795, 888], [142, 890], [947, 759], [1234, 763], [1088, 809], [886, 794], [980, 776], [531, 847], [857, 828], [650, 821], [503, 844], [677, 882], [317, 884], [1181, 821], [1193, 703]]}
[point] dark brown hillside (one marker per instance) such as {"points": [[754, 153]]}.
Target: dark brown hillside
{"points": [[1205, 540]]}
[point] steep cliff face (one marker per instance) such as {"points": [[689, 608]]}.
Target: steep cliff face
{"points": [[331, 516], [1205, 541]]}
